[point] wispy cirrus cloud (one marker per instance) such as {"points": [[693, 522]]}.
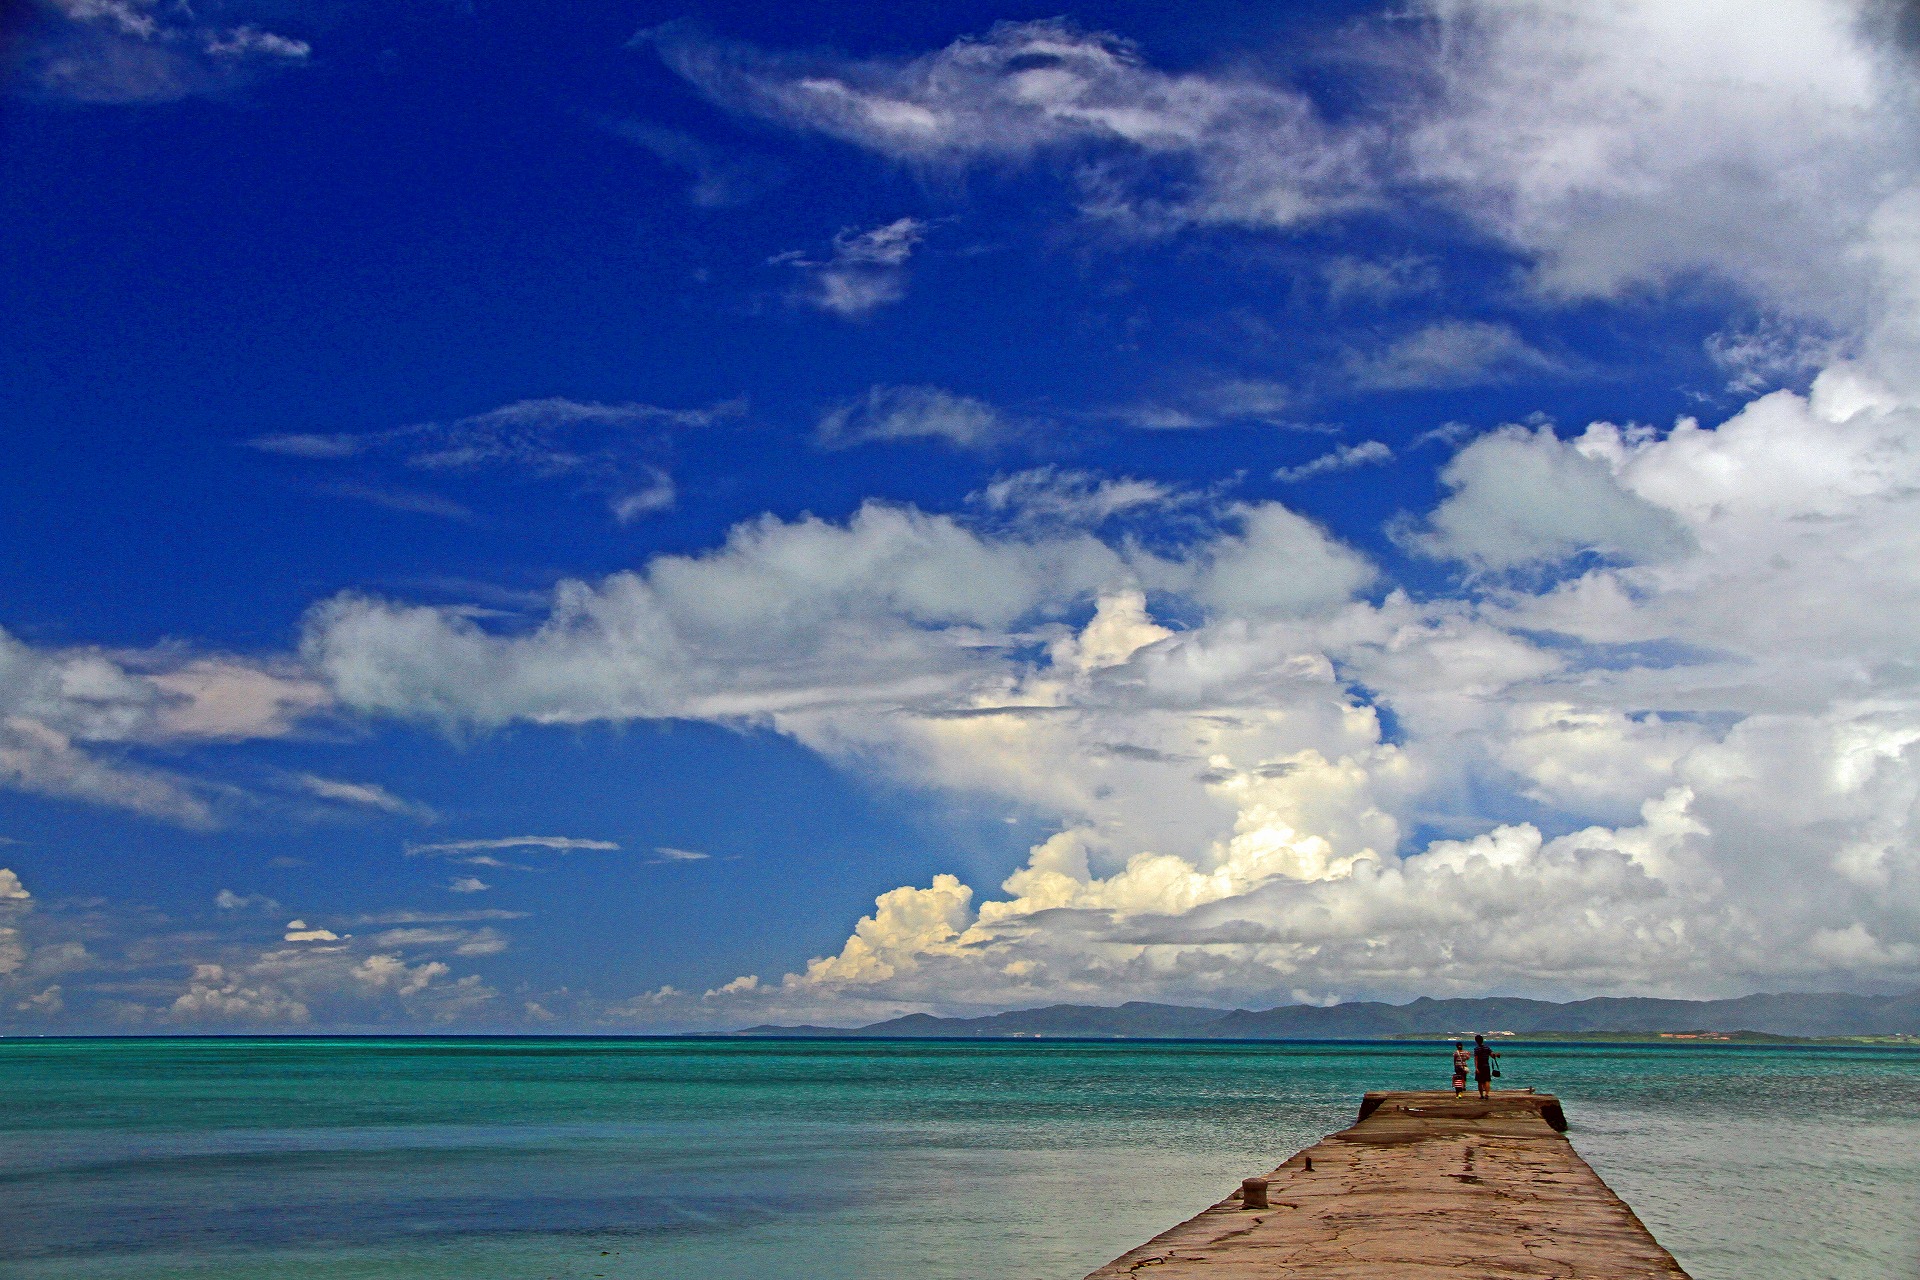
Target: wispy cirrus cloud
{"points": [[613, 451], [545, 437], [721, 178], [118, 51], [1344, 458], [1041, 497], [866, 270], [412, 501], [1213, 403], [551, 844], [657, 492], [403, 917], [1177, 149], [914, 413], [667, 853], [1448, 353], [308, 444], [1378, 281], [366, 795]]}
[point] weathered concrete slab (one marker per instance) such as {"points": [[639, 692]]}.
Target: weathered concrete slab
{"points": [[1421, 1187]]}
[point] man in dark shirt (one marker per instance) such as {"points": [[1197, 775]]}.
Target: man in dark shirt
{"points": [[1483, 1060]]}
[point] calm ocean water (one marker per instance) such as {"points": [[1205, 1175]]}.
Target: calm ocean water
{"points": [[307, 1159]]}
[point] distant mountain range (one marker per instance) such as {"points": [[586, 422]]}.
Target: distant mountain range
{"points": [[1818, 1014]]}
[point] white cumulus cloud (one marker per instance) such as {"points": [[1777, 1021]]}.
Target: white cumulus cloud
{"points": [[1520, 497], [70, 718], [1717, 718], [1666, 728]]}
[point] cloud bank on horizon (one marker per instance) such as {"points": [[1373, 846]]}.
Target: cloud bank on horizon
{"points": [[1622, 707]]}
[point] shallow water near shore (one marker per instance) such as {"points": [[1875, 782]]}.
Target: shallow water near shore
{"points": [[377, 1159]]}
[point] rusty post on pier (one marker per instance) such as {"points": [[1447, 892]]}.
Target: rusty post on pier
{"points": [[1422, 1186]]}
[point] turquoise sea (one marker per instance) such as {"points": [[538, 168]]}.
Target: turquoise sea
{"points": [[303, 1159]]}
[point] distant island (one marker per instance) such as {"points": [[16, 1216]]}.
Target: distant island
{"points": [[1749, 1019]]}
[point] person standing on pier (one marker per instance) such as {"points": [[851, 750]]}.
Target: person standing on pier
{"points": [[1483, 1060], [1460, 1059]]}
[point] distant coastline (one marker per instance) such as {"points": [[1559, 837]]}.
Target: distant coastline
{"points": [[1779, 1018]]}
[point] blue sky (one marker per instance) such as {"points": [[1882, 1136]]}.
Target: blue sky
{"points": [[571, 507]]}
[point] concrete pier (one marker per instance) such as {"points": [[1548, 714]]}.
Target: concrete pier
{"points": [[1421, 1187]]}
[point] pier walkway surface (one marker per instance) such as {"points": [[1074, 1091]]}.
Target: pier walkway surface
{"points": [[1422, 1186]]}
